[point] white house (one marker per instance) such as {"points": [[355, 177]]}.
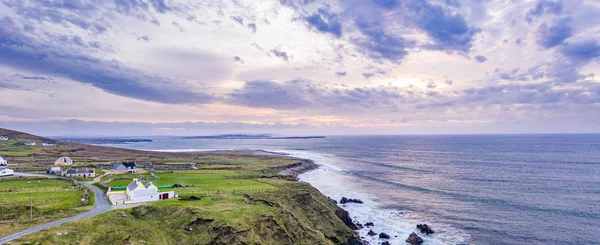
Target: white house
{"points": [[48, 143], [6, 172], [30, 143], [125, 167], [3, 137], [138, 192], [54, 170], [3, 161], [63, 161]]}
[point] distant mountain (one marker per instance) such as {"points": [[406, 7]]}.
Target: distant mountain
{"points": [[251, 136]]}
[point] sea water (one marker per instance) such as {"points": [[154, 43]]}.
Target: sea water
{"points": [[475, 189]]}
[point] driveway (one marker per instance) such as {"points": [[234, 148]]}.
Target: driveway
{"points": [[101, 205]]}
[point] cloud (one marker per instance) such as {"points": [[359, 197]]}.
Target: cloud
{"points": [[378, 44], [340, 73], [544, 7], [480, 58], [22, 52], [280, 54], [554, 34], [238, 59], [238, 19], [583, 51], [326, 22], [252, 27]]}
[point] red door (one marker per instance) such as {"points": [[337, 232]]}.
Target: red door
{"points": [[164, 196]]}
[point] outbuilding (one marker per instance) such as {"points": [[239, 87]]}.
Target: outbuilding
{"points": [[3, 161], [54, 170], [63, 161], [6, 172], [80, 172]]}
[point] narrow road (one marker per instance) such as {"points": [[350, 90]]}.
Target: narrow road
{"points": [[101, 205]]}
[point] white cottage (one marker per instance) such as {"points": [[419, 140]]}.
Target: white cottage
{"points": [[30, 143], [138, 192], [6, 172], [3, 137], [3, 161]]}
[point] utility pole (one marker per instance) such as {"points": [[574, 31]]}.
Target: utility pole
{"points": [[30, 208]]}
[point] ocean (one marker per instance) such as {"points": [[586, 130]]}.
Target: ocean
{"points": [[471, 189]]}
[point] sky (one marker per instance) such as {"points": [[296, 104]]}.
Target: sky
{"points": [[299, 67]]}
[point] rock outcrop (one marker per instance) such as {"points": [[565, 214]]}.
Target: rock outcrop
{"points": [[414, 239], [384, 235], [425, 229], [350, 200]]}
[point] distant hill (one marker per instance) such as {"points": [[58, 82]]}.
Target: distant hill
{"points": [[251, 136]]}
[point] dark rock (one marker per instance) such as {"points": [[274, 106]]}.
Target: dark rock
{"points": [[189, 229], [425, 229], [353, 240], [414, 239], [371, 233], [384, 235], [350, 200], [345, 217], [369, 224], [386, 243], [359, 225]]}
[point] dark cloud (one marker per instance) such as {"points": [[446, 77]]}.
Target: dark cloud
{"points": [[453, 3], [238, 59], [160, 6], [378, 44], [252, 27], [449, 82], [448, 31], [22, 52], [237, 19], [554, 34], [280, 54], [387, 4], [480, 58], [583, 51], [324, 21], [544, 7], [340, 73]]}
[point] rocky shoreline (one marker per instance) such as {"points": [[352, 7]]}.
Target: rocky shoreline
{"points": [[306, 165]]}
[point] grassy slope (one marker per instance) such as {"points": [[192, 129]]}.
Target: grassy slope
{"points": [[294, 214], [52, 199]]}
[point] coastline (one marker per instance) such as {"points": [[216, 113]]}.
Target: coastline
{"points": [[333, 182]]}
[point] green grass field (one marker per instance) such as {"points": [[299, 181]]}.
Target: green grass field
{"points": [[13, 148], [197, 181], [52, 199]]}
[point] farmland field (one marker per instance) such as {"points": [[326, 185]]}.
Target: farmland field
{"points": [[51, 199], [196, 181]]}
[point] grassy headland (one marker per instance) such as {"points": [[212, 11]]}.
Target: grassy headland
{"points": [[231, 197]]}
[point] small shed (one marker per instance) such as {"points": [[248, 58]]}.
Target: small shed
{"points": [[63, 161], [6, 172], [3, 161]]}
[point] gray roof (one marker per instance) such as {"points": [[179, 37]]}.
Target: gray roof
{"points": [[132, 185], [81, 171]]}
